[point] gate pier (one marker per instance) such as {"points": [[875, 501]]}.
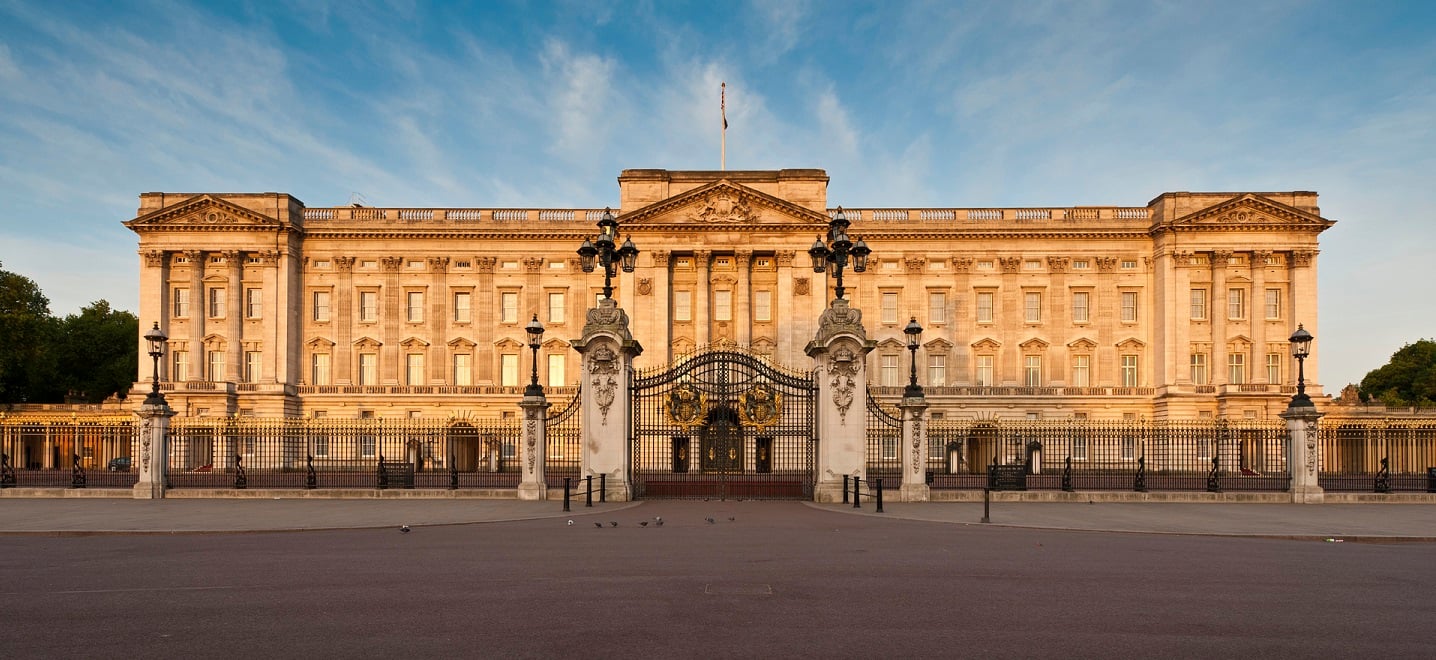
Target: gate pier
{"points": [[607, 349], [839, 353]]}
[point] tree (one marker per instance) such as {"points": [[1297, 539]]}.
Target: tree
{"points": [[96, 353], [1409, 379], [26, 332]]}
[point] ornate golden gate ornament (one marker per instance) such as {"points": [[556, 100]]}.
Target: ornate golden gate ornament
{"points": [[760, 407], [686, 407]]}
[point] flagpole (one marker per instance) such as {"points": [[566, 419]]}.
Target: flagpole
{"points": [[723, 141]]}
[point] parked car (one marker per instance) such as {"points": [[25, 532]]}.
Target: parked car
{"points": [[119, 464]]}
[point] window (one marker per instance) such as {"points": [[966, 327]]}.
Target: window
{"points": [[1129, 306], [368, 305], [181, 366], [1081, 264], [984, 307], [253, 366], [556, 307], [1236, 368], [984, 371], [890, 371], [216, 366], [216, 303], [1081, 370], [1032, 264], [682, 306], [1079, 447], [1199, 304], [1129, 446], [936, 307], [368, 369], [509, 370], [762, 305], [937, 370], [463, 307], [414, 306], [367, 442], [723, 305], [463, 369], [509, 307], [1032, 370], [319, 369], [1129, 371], [1273, 303], [181, 298], [1129, 264], [1273, 368], [414, 369], [1032, 307], [1236, 303], [890, 307], [1199, 368], [556, 364], [1081, 306], [253, 303], [320, 306]]}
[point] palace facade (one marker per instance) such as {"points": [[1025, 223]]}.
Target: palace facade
{"points": [[1177, 309]]}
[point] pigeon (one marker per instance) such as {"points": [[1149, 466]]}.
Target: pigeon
{"points": [[658, 518], [710, 520], [659, 522], [570, 523], [643, 523], [598, 525], [403, 529], [613, 523], [731, 518]]}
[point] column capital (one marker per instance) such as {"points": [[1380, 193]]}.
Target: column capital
{"points": [[343, 263], [439, 264], [154, 258], [785, 258], [533, 264], [660, 257], [485, 264]]}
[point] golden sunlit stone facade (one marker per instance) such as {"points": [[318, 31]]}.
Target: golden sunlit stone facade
{"points": [[1180, 308]]}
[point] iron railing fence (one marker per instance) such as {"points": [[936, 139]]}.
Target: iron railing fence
{"points": [[246, 452], [1218, 455], [563, 446], [73, 451], [884, 446], [1380, 455]]}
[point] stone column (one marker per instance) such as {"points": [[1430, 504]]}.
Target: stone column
{"points": [[703, 309], [785, 309], [198, 314], [1257, 316], [532, 450], [391, 316], [662, 333], [839, 353], [435, 362], [342, 311], [607, 349], [234, 349], [151, 451], [485, 318], [914, 443], [961, 314], [742, 304], [1303, 453], [1302, 276], [1220, 373]]}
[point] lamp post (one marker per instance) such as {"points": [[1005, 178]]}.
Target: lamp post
{"points": [[156, 339], [1300, 349], [535, 330], [832, 256], [605, 251], [914, 338]]}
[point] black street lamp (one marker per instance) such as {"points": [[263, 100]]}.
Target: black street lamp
{"points": [[914, 338], [1300, 349], [535, 330], [833, 255], [156, 339], [606, 252]]}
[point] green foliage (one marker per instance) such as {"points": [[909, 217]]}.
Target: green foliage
{"points": [[44, 359], [1409, 379]]}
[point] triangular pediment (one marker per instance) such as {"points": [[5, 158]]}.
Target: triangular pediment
{"points": [[507, 343], [461, 343], [1082, 344], [986, 344], [204, 212], [1131, 344], [891, 343], [1252, 210], [1035, 344], [555, 344], [414, 342], [938, 345], [367, 342], [319, 343], [723, 203]]}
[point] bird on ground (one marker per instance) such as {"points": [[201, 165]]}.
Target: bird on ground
{"points": [[659, 522], [613, 523], [403, 529], [598, 525], [658, 518], [731, 518], [643, 523], [710, 520], [570, 523]]}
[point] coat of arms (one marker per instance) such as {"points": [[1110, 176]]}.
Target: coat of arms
{"points": [[760, 408], [686, 406]]}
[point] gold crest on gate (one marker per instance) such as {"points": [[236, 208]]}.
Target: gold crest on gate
{"points": [[760, 408], [686, 406]]}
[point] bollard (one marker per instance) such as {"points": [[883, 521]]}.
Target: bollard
{"points": [[856, 481], [588, 496], [566, 481], [986, 501], [603, 488], [879, 483], [845, 489]]}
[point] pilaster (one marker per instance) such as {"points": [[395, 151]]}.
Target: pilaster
{"points": [[914, 444], [607, 349], [703, 314], [839, 353], [1304, 454], [152, 451], [532, 451]]}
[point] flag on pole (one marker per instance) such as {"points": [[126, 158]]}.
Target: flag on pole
{"points": [[723, 103]]}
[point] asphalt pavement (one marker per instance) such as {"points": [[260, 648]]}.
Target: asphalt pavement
{"points": [[1411, 522]]}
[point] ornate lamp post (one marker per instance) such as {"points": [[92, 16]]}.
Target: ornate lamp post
{"points": [[914, 338], [1300, 349], [535, 330], [833, 255], [605, 251], [156, 339]]}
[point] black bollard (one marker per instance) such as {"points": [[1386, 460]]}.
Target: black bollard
{"points": [[856, 481], [986, 501], [566, 481], [603, 489], [879, 484], [589, 494], [845, 489]]}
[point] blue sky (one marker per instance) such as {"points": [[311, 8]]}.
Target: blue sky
{"points": [[904, 104]]}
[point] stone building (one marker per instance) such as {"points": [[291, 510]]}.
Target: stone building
{"points": [[1177, 309]]}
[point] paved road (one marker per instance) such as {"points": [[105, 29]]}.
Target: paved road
{"points": [[778, 579]]}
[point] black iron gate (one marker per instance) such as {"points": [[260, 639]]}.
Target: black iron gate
{"points": [[723, 424]]}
